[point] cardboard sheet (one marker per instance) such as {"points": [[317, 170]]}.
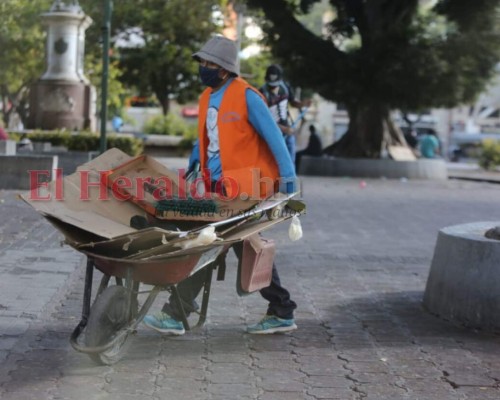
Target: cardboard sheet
{"points": [[400, 153], [106, 216], [130, 180], [100, 224]]}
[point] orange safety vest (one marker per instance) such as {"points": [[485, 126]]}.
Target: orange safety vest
{"points": [[248, 165]]}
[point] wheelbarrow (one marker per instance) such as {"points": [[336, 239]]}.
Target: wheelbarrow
{"points": [[115, 314], [156, 255]]}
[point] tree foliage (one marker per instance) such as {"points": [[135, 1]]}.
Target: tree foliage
{"points": [[162, 37], [117, 91], [21, 51], [380, 55]]}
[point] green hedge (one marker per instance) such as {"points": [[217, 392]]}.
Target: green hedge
{"points": [[84, 141], [173, 125], [490, 154], [91, 142], [57, 138], [170, 125]]}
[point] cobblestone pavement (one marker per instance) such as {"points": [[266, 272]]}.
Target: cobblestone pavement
{"points": [[358, 276]]}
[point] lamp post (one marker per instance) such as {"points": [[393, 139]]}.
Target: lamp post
{"points": [[240, 9], [106, 28]]}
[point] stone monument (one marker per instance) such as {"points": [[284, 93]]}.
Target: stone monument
{"points": [[63, 97]]}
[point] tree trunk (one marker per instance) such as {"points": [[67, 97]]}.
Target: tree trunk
{"points": [[371, 130], [5, 105], [164, 101], [165, 105], [22, 111]]}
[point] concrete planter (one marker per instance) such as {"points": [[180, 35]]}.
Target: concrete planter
{"points": [[70, 160], [14, 170], [41, 147], [162, 145], [464, 280], [7, 147], [368, 168]]}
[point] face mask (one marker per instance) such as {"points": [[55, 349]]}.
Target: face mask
{"points": [[209, 76]]}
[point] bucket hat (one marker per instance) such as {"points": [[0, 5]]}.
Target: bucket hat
{"points": [[221, 51]]}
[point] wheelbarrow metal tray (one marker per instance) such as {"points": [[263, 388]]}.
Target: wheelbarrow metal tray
{"points": [[169, 270], [128, 245], [167, 264]]}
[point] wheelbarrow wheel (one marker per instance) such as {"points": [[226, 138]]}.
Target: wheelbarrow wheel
{"points": [[108, 316]]}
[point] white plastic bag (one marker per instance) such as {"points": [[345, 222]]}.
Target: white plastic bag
{"points": [[206, 236], [295, 230]]}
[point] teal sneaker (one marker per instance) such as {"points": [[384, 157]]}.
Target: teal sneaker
{"points": [[272, 324], [164, 323]]}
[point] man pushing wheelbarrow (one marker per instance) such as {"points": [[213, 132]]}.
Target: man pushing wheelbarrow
{"points": [[239, 139]]}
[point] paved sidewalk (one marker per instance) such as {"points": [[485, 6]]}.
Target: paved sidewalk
{"points": [[472, 171], [34, 268], [358, 276]]}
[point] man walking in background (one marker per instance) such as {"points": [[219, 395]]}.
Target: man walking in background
{"points": [[278, 95]]}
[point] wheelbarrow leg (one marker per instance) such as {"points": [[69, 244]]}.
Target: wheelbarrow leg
{"points": [[204, 304], [87, 294], [206, 295], [133, 289], [220, 265], [146, 306]]}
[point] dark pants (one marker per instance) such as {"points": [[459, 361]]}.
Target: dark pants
{"points": [[278, 297]]}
